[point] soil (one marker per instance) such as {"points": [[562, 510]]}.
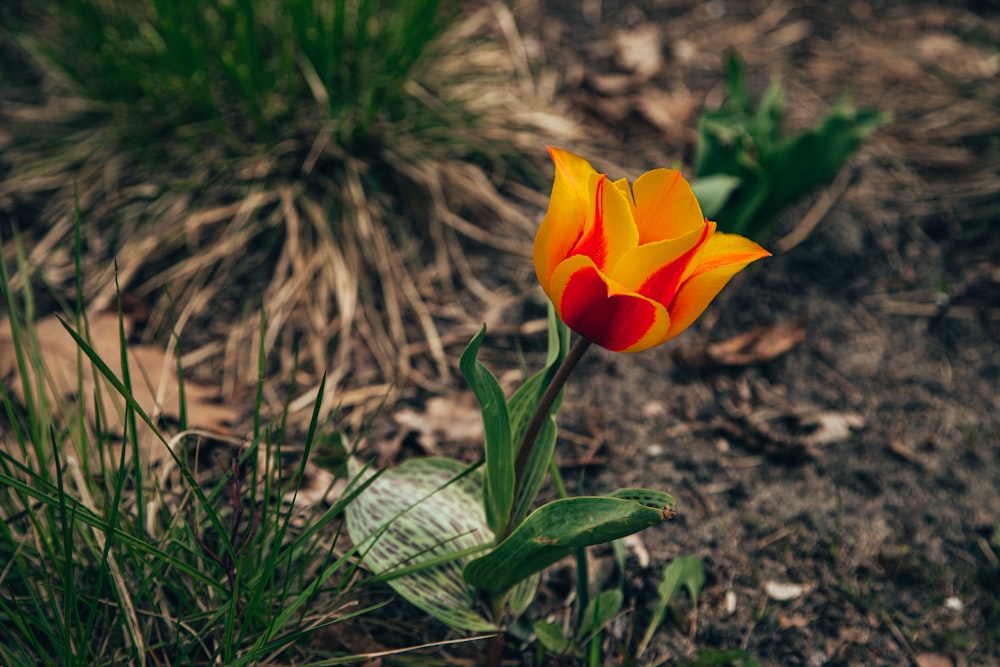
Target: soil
{"points": [[863, 466], [844, 495]]}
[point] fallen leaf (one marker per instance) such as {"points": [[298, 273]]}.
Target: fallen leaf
{"points": [[903, 451], [932, 660], [445, 419], [612, 85], [153, 377], [670, 112], [958, 57], [831, 427], [759, 345], [785, 622]]}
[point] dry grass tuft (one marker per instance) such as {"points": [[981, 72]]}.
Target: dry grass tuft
{"points": [[355, 257]]}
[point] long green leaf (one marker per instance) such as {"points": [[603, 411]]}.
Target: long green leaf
{"points": [[498, 494], [555, 530], [521, 407]]}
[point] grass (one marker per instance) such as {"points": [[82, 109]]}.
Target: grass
{"points": [[330, 159], [108, 559], [334, 159], [245, 67]]}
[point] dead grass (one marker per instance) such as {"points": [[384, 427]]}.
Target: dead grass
{"points": [[356, 258]]}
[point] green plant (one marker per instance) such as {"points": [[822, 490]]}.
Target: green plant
{"points": [[104, 565], [467, 534], [624, 266], [683, 572], [246, 66], [585, 642], [774, 170], [330, 155]]}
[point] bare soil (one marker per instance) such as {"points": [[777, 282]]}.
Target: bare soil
{"points": [[863, 466], [844, 496]]}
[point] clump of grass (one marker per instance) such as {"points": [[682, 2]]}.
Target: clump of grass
{"points": [[247, 66], [330, 160], [104, 563]]}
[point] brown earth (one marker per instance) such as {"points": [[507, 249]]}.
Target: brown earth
{"points": [[857, 475], [844, 497], [863, 466]]}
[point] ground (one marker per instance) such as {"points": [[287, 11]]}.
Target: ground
{"points": [[843, 495], [863, 465]]}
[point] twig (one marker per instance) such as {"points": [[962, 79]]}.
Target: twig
{"points": [[816, 214]]}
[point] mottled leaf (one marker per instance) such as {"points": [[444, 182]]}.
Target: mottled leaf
{"points": [[420, 512]]}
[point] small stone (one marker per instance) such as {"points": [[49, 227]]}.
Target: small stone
{"points": [[783, 592]]}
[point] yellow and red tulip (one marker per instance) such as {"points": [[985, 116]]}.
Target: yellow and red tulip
{"points": [[630, 267]]}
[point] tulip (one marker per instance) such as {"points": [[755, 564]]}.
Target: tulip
{"points": [[630, 267]]}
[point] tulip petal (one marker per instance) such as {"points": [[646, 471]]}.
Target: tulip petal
{"points": [[665, 206], [569, 207], [719, 259], [626, 189], [611, 231], [655, 269], [602, 311]]}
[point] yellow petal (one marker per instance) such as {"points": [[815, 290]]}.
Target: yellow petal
{"points": [[626, 189], [638, 264], [719, 259], [665, 206], [611, 230], [570, 205]]}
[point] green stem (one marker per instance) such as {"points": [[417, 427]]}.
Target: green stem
{"points": [[557, 479], [582, 571], [527, 443], [494, 649]]}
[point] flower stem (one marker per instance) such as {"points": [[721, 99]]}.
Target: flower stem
{"points": [[527, 443], [582, 573]]}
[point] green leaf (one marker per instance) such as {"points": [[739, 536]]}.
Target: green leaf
{"points": [[420, 513], [555, 530], [683, 571], [773, 171], [522, 406], [599, 612], [535, 470], [498, 494], [713, 191], [738, 94], [769, 118], [522, 595], [551, 637], [735, 657], [813, 158], [522, 403]]}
